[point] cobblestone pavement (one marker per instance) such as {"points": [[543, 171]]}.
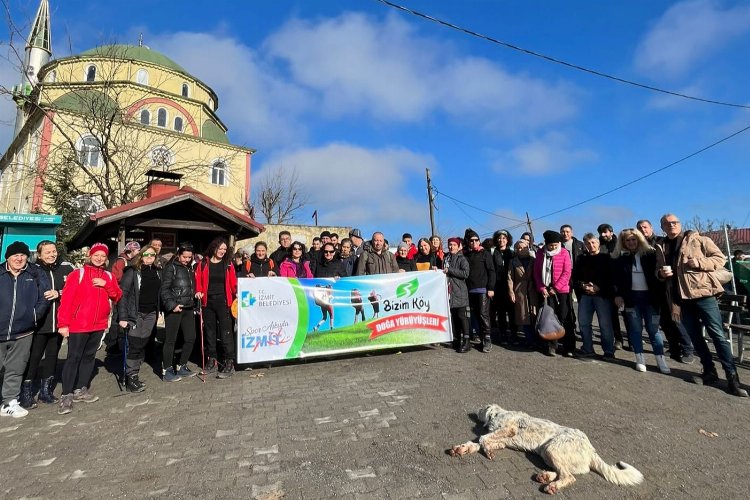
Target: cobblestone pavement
{"points": [[377, 426]]}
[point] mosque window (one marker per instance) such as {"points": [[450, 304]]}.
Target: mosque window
{"points": [[145, 117], [162, 158], [52, 76], [91, 73], [89, 151], [178, 123], [161, 117], [219, 173], [142, 77], [185, 90]]}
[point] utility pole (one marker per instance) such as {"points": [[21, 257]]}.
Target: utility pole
{"points": [[429, 200], [528, 224]]}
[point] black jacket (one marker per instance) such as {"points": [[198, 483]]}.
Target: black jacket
{"points": [[481, 270], [622, 271], [432, 259], [22, 301], [127, 307], [56, 274], [177, 286], [261, 268], [501, 262], [328, 269], [405, 263], [279, 255], [596, 269]]}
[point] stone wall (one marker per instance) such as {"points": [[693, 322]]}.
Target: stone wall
{"points": [[305, 234]]}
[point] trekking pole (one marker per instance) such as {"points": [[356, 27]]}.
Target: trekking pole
{"points": [[125, 359], [203, 354]]}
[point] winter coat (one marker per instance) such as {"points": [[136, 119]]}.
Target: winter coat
{"points": [[501, 262], [693, 283], [427, 262], [328, 269], [577, 249], [260, 268], [291, 269], [279, 255], [129, 304], [622, 276], [371, 262], [201, 282], [22, 302], [85, 308], [57, 273], [177, 286], [521, 287], [596, 269], [457, 270], [481, 270], [560, 271], [349, 264], [406, 264]]}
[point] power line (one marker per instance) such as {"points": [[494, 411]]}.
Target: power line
{"points": [[477, 208], [558, 61], [645, 176]]}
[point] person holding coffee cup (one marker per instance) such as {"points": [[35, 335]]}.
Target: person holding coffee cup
{"points": [[686, 260]]}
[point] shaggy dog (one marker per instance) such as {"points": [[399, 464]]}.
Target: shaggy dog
{"points": [[567, 451]]}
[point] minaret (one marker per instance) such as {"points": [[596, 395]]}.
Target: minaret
{"points": [[38, 53]]}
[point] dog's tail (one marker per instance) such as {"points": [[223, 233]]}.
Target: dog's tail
{"points": [[622, 475]]}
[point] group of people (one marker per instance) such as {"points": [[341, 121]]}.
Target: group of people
{"points": [[668, 283]]}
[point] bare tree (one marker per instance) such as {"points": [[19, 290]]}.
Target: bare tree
{"points": [[278, 195]]}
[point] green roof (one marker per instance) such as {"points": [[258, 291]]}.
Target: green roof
{"points": [[213, 132], [134, 52], [83, 101]]}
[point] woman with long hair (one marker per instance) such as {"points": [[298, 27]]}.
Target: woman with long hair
{"points": [[216, 287], [138, 310], [436, 246], [522, 292], [83, 316], [177, 294], [638, 291], [295, 265], [46, 342], [426, 259], [261, 265]]}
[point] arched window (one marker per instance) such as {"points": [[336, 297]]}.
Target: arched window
{"points": [[178, 123], [219, 173], [185, 90], [211, 103], [161, 157], [142, 77], [145, 117], [89, 151], [161, 117], [91, 73], [52, 76]]}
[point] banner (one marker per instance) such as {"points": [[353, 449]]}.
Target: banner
{"points": [[287, 318]]}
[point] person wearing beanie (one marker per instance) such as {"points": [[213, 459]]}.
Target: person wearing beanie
{"points": [[22, 300], [83, 316], [480, 284], [456, 269], [552, 279], [405, 264], [114, 336]]}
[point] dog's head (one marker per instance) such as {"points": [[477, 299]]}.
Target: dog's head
{"points": [[487, 413]]}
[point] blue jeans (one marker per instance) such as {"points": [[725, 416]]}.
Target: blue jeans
{"points": [[587, 305], [643, 314], [705, 311]]}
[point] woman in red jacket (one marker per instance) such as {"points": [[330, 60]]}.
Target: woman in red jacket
{"points": [[216, 287], [83, 316]]}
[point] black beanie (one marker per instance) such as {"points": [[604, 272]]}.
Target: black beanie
{"points": [[552, 237], [470, 233], [17, 247]]}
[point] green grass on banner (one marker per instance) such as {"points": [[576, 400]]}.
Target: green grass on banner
{"points": [[358, 336]]}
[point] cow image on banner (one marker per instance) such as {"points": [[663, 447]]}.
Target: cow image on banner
{"points": [[287, 318]]}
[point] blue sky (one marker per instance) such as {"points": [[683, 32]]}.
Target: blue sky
{"points": [[360, 98]]}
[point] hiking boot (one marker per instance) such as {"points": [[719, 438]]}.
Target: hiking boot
{"points": [[83, 395], [709, 377], [211, 366], [687, 359], [132, 384], [66, 404], [171, 376], [13, 409], [487, 344], [27, 400], [465, 344], [733, 386], [46, 391], [185, 372], [227, 371]]}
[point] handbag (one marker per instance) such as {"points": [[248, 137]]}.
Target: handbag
{"points": [[548, 327], [722, 274]]}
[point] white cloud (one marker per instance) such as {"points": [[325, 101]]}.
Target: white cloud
{"points": [[389, 72], [355, 186], [689, 32], [549, 153]]}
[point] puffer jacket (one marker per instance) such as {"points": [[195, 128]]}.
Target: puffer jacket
{"points": [[291, 269], [561, 271], [177, 286], [57, 273], [22, 302], [85, 308], [457, 270], [693, 283]]}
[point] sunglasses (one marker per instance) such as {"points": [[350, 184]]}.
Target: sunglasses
{"points": [[473, 239], [149, 254], [329, 251], [297, 249]]}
